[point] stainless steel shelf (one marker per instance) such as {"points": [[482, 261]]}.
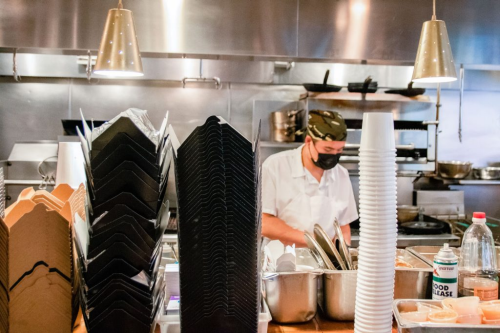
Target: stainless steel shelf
{"points": [[468, 181], [372, 102], [478, 182]]}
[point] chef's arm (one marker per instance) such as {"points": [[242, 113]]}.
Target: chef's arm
{"points": [[346, 232], [275, 228]]}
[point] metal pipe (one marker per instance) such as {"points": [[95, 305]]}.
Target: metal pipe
{"points": [[438, 105], [462, 83]]}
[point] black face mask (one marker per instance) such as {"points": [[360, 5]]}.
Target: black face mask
{"points": [[326, 161]]}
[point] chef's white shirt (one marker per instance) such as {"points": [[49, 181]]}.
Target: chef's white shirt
{"points": [[287, 186]]}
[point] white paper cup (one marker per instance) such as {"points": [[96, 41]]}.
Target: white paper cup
{"points": [[381, 220], [373, 311], [372, 294], [378, 162], [376, 236], [374, 201], [368, 258], [377, 283], [386, 217], [376, 206], [377, 131], [381, 286], [378, 224], [377, 185], [370, 325], [382, 217], [373, 269], [376, 167], [379, 195], [371, 255], [379, 153], [374, 184]]}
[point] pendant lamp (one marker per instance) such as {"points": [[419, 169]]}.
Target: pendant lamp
{"points": [[119, 51], [434, 62]]}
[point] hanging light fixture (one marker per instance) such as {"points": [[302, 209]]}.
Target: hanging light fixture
{"points": [[119, 51], [434, 62]]}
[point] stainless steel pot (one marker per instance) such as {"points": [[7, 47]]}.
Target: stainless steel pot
{"points": [[284, 125], [407, 213], [454, 169], [338, 290], [489, 173], [292, 296]]}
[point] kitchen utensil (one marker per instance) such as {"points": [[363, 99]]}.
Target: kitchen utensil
{"points": [[489, 173], [422, 228], [318, 251], [340, 243], [368, 86], [408, 92], [443, 317], [292, 297], [491, 309], [414, 316], [406, 305], [284, 125], [454, 169], [338, 290], [315, 87], [327, 245], [407, 213], [426, 253]]}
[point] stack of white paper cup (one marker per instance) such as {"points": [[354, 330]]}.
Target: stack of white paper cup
{"points": [[378, 225]]}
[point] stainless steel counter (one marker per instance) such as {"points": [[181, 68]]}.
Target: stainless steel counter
{"points": [[414, 240]]}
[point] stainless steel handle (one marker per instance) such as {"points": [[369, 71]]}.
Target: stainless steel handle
{"points": [[26, 182]]}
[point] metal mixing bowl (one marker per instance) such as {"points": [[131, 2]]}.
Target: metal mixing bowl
{"points": [[407, 213], [489, 173], [454, 169]]}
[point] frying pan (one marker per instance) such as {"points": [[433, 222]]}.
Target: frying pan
{"points": [[408, 92], [368, 86], [423, 228], [316, 87]]}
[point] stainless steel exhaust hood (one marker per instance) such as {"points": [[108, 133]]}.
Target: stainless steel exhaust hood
{"points": [[350, 31]]}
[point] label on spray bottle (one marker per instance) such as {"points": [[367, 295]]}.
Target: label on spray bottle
{"points": [[445, 274]]}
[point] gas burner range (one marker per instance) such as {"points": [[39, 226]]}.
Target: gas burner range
{"points": [[415, 236]]}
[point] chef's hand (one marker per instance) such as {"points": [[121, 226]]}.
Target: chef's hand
{"points": [[275, 228]]}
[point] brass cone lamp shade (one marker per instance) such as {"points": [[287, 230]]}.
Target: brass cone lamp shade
{"points": [[119, 51], [434, 62]]}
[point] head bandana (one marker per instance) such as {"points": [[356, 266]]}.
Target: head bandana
{"points": [[326, 125]]}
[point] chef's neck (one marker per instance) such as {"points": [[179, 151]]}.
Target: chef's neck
{"points": [[307, 162]]}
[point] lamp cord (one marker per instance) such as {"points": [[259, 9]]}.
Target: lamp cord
{"points": [[120, 5], [433, 9]]}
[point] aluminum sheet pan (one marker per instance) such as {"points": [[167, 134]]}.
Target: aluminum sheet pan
{"points": [[407, 305]]}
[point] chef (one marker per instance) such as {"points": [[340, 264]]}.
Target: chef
{"points": [[306, 186]]}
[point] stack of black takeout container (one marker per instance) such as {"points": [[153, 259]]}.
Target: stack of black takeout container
{"points": [[127, 165], [217, 175]]}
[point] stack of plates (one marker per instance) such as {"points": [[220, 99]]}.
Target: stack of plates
{"points": [[35, 262], [217, 173], [127, 165]]}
